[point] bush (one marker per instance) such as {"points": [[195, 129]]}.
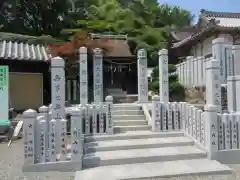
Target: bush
{"points": [[176, 90]]}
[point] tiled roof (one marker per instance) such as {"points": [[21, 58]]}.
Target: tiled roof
{"points": [[192, 37], [23, 51], [217, 20], [225, 19]]}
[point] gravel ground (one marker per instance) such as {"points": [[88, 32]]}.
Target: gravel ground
{"points": [[11, 160]]}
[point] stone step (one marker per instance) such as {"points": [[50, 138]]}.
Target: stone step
{"points": [[128, 112], [121, 129], [126, 107], [130, 122], [132, 135], [136, 144], [183, 169], [128, 117], [131, 156]]}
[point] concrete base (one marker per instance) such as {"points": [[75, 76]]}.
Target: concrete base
{"points": [[231, 156], [62, 166], [156, 170]]}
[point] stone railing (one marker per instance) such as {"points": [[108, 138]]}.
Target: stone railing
{"points": [[192, 71], [46, 143]]}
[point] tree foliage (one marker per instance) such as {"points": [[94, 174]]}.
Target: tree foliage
{"points": [[147, 23]]}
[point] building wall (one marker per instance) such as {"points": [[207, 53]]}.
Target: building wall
{"points": [[204, 48]]}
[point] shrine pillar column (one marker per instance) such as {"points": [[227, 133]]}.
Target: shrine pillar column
{"points": [[98, 75], [58, 95], [142, 76], [163, 76], [83, 75]]}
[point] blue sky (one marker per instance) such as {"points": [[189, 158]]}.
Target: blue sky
{"points": [[213, 5]]}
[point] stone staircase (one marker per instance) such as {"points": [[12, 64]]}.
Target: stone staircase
{"points": [[137, 153], [129, 117]]}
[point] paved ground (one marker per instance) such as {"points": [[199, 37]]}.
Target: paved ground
{"points": [[11, 160]]}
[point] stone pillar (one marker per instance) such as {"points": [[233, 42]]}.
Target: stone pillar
{"points": [[58, 88], [195, 71], [83, 75], [192, 72], [204, 71], [213, 86], [98, 75], [218, 53], [237, 97], [163, 76], [200, 70], [231, 93], [211, 129], [109, 123], [236, 57], [58, 95], [43, 111], [29, 121], [229, 61], [180, 73], [189, 70], [156, 119], [185, 73], [76, 132], [142, 76]]}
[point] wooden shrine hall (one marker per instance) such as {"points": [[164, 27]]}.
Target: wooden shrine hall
{"points": [[119, 67]]}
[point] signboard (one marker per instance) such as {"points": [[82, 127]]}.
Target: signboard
{"points": [[4, 102]]}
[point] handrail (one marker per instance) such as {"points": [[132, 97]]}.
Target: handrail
{"points": [[147, 114]]}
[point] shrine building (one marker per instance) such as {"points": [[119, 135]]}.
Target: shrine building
{"points": [[30, 75]]}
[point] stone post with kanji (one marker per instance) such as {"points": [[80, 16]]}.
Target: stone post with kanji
{"points": [[213, 86], [142, 76], [218, 53], [58, 94], [163, 76], [83, 75], [98, 75]]}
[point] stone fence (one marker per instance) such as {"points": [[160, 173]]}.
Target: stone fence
{"points": [[192, 71], [213, 130], [47, 145]]}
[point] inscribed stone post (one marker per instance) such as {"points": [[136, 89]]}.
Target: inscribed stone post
{"points": [[218, 53], [156, 112], [200, 70], [177, 71], [229, 61], [237, 97], [109, 123], [28, 135], [58, 88], [189, 70], [236, 57], [192, 72], [83, 75], [181, 73], [163, 76], [231, 93], [185, 73], [211, 129], [142, 76], [98, 75], [195, 70], [213, 86], [58, 94]]}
